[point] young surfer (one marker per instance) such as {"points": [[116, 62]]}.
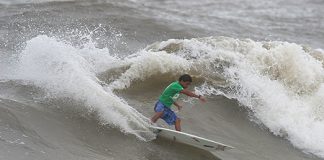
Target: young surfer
{"points": [[168, 97]]}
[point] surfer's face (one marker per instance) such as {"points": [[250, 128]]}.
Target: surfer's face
{"points": [[185, 84]]}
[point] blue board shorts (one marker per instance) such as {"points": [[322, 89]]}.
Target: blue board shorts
{"points": [[168, 115]]}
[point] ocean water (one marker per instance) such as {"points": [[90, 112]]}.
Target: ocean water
{"points": [[79, 79]]}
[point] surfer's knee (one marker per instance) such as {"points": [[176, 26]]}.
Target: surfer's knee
{"points": [[159, 115], [156, 116]]}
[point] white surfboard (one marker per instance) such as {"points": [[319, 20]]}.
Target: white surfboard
{"points": [[190, 139]]}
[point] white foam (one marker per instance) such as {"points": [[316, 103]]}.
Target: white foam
{"points": [[66, 71], [280, 82], [146, 64]]}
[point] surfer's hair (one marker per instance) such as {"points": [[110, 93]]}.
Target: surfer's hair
{"points": [[185, 78]]}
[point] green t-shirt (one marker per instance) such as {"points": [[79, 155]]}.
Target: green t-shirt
{"points": [[171, 93]]}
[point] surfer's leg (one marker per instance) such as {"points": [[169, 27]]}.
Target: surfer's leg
{"points": [[159, 109], [177, 124], [156, 116]]}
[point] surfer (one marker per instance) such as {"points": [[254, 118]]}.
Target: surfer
{"points": [[169, 96]]}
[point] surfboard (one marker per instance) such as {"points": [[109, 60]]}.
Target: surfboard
{"points": [[190, 139]]}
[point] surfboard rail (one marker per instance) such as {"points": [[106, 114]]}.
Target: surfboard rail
{"points": [[189, 139]]}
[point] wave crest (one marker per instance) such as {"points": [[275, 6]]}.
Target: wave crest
{"points": [[280, 82]]}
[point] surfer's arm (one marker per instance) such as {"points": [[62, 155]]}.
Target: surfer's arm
{"points": [[191, 94]]}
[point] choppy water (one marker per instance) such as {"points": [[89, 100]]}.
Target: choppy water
{"points": [[78, 79]]}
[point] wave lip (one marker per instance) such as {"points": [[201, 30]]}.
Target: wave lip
{"points": [[66, 71], [281, 83]]}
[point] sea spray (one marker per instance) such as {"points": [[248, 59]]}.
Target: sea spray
{"points": [[280, 83], [66, 71]]}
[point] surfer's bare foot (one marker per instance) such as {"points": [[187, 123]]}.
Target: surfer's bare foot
{"points": [[151, 122]]}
